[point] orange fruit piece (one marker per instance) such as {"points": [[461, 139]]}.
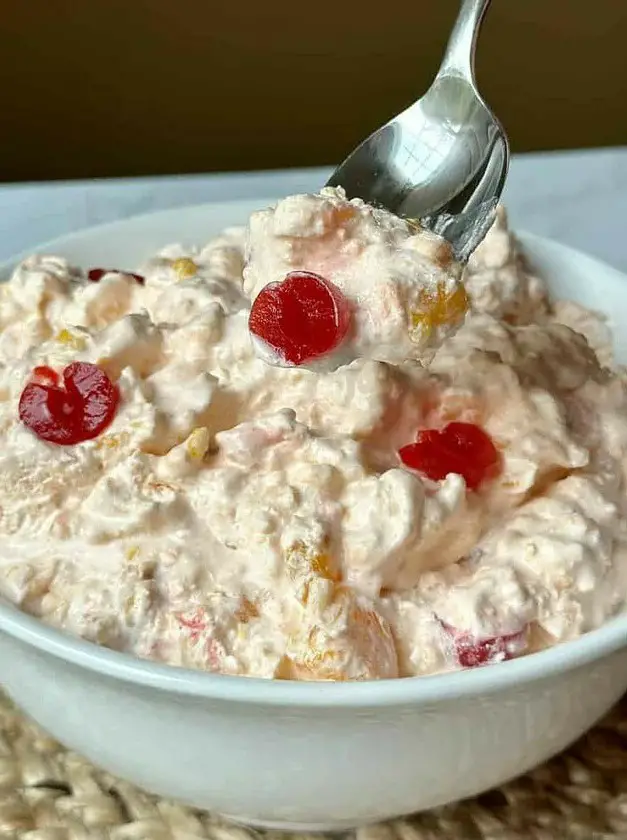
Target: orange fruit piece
{"points": [[349, 640]]}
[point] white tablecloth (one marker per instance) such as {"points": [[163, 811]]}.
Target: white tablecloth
{"points": [[579, 198]]}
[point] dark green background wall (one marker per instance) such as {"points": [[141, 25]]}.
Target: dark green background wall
{"points": [[127, 87]]}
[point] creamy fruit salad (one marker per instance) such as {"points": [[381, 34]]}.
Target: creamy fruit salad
{"points": [[314, 449]]}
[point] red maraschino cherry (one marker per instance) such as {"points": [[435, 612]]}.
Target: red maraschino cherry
{"points": [[78, 410], [471, 652], [301, 318], [461, 448]]}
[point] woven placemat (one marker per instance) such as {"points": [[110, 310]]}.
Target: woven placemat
{"points": [[48, 793]]}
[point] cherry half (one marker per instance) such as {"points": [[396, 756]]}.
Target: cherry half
{"points": [[461, 448], [79, 410], [95, 275], [471, 652], [301, 318]]}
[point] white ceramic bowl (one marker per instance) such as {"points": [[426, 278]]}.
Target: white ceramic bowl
{"points": [[305, 755]]}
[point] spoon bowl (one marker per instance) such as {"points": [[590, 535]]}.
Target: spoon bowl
{"points": [[445, 158]]}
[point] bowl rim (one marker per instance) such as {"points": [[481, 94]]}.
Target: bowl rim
{"points": [[410, 691]]}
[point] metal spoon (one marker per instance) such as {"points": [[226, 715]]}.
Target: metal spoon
{"points": [[444, 159]]}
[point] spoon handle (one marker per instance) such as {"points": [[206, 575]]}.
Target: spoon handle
{"points": [[459, 57]]}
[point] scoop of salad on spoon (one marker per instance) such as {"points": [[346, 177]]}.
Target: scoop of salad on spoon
{"points": [[348, 273]]}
